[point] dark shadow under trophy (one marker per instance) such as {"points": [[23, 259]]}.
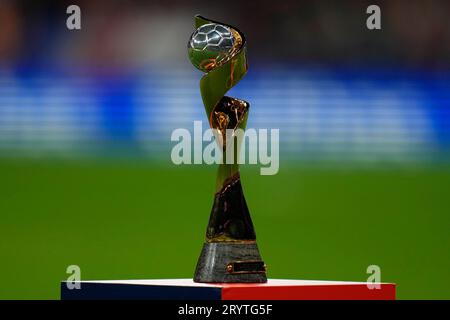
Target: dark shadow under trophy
{"points": [[230, 253]]}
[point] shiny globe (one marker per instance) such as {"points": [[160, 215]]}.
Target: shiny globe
{"points": [[208, 44]]}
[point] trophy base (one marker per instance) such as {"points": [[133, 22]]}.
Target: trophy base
{"points": [[230, 262]]}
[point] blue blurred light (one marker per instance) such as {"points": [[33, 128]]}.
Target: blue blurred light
{"points": [[365, 115]]}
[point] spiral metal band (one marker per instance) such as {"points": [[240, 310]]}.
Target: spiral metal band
{"points": [[225, 112], [230, 219]]}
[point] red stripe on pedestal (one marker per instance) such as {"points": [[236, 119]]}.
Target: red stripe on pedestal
{"points": [[305, 292]]}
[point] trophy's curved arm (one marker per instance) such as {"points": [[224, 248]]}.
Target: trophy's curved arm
{"points": [[225, 112], [230, 219]]}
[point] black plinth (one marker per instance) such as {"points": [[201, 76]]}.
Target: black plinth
{"points": [[230, 262]]}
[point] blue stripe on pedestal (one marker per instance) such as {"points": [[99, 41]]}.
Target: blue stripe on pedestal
{"points": [[108, 291]]}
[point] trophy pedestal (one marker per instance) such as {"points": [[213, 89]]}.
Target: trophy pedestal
{"points": [[187, 289], [230, 262]]}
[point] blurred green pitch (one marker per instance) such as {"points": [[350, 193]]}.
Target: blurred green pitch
{"points": [[124, 220]]}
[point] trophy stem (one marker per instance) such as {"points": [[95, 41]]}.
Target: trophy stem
{"points": [[224, 173]]}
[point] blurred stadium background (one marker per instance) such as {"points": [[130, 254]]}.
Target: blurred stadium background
{"points": [[86, 118]]}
